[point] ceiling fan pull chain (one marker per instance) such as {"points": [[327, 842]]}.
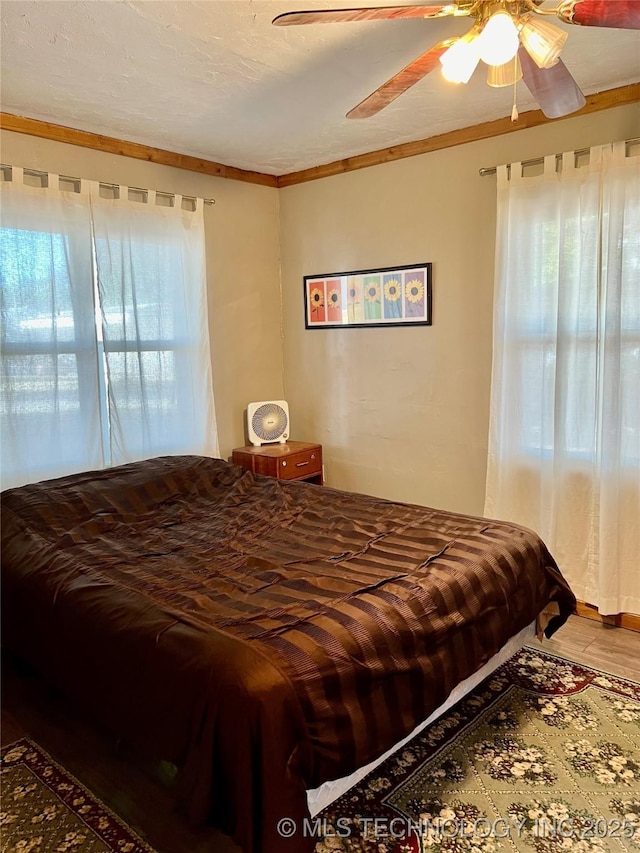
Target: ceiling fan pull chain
{"points": [[514, 111]]}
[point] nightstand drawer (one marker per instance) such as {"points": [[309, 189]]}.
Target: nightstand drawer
{"points": [[303, 464], [295, 460]]}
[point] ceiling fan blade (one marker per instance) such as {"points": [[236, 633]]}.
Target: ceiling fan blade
{"points": [[624, 14], [554, 88], [400, 82], [332, 16]]}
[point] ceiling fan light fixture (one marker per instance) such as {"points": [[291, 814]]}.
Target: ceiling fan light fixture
{"points": [[461, 60], [500, 27], [500, 76], [498, 42], [543, 41]]}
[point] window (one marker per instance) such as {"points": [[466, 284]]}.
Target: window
{"points": [[564, 442], [573, 316], [105, 355]]}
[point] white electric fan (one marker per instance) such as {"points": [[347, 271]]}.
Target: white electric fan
{"points": [[268, 422]]}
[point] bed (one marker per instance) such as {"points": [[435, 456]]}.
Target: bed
{"points": [[265, 637]]}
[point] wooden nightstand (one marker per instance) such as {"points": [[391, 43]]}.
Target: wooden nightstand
{"points": [[295, 460]]}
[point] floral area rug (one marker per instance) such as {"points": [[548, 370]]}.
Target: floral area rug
{"points": [[542, 757], [46, 810]]}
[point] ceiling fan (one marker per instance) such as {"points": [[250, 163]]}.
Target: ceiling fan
{"points": [[513, 37]]}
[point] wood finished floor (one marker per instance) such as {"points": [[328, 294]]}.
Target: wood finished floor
{"points": [[138, 790], [615, 650]]}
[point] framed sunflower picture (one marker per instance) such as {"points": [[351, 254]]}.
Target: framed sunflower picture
{"points": [[393, 296]]}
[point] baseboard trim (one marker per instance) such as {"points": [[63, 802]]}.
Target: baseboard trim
{"points": [[620, 620]]}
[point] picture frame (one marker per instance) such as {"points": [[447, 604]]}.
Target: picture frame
{"points": [[381, 297]]}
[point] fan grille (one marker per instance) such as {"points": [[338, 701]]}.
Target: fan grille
{"points": [[269, 422]]}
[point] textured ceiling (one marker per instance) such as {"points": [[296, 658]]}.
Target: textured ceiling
{"points": [[214, 78]]}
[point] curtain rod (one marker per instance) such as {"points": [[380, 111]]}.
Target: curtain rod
{"points": [[538, 161], [36, 173]]}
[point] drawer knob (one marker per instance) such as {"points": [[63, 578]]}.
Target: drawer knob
{"points": [[284, 464]]}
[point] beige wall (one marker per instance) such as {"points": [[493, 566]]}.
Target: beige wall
{"points": [[403, 413], [242, 266]]}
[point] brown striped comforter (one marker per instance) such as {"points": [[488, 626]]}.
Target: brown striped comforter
{"points": [[264, 636]]}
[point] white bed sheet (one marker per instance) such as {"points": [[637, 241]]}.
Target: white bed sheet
{"points": [[319, 798]]}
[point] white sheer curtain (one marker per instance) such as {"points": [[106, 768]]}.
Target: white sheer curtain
{"points": [[564, 445], [104, 342], [152, 284], [50, 422]]}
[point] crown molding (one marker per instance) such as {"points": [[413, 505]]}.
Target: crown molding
{"points": [[111, 145], [600, 101], [58, 133]]}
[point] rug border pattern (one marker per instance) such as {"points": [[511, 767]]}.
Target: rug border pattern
{"points": [[117, 828]]}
